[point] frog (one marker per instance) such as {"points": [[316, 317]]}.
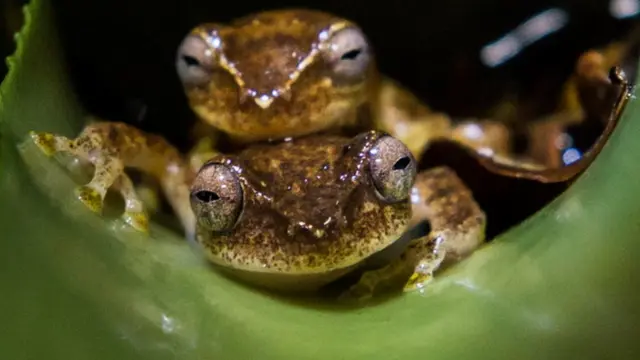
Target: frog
{"points": [[291, 72], [296, 215], [268, 76]]}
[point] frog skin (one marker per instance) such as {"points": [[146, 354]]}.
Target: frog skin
{"points": [[298, 214], [222, 82]]}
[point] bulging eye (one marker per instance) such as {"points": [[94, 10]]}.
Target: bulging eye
{"points": [[348, 51], [216, 197], [392, 168], [194, 61]]}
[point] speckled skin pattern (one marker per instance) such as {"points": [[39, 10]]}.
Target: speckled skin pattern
{"points": [[309, 207]]}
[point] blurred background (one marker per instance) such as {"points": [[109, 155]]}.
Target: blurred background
{"points": [[462, 57]]}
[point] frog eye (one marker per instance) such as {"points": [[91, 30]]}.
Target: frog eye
{"points": [[348, 52], [216, 197], [194, 61], [392, 168]]}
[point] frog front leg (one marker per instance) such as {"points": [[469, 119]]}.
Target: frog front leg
{"points": [[457, 229], [401, 114], [206, 138], [111, 147]]}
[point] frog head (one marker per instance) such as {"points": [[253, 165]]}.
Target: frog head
{"points": [[301, 213], [276, 74]]}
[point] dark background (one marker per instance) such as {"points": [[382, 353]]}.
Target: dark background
{"points": [[121, 54]]}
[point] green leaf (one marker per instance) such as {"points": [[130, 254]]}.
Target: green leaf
{"points": [[562, 284]]}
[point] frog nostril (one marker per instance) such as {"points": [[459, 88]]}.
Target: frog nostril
{"points": [[402, 163], [207, 196]]}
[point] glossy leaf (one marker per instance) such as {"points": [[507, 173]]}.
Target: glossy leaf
{"points": [[75, 286]]}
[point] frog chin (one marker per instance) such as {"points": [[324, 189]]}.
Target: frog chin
{"points": [[249, 126], [285, 282], [283, 277], [395, 248]]}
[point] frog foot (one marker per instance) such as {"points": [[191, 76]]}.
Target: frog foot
{"points": [[134, 213], [137, 220], [46, 142], [90, 197], [429, 262], [370, 280], [109, 172], [361, 291], [425, 253]]}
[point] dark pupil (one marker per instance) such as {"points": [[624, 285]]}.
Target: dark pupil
{"points": [[207, 196], [190, 60], [350, 55], [402, 163]]}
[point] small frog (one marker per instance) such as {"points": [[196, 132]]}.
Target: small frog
{"points": [[298, 214], [286, 73]]}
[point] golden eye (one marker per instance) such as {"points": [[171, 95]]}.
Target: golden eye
{"points": [[216, 197], [392, 168]]}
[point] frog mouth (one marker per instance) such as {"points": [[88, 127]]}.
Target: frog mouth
{"points": [[397, 247]]}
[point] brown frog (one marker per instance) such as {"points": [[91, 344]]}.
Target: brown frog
{"points": [[298, 214], [295, 215], [286, 73]]}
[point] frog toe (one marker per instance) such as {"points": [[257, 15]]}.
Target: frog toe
{"points": [[417, 281], [150, 197], [429, 257], [373, 280], [46, 142], [137, 220], [90, 197], [359, 292]]}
